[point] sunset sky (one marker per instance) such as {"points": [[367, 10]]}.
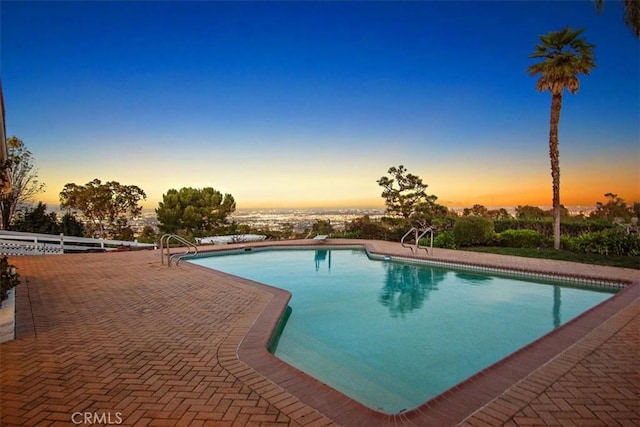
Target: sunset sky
{"points": [[307, 104]]}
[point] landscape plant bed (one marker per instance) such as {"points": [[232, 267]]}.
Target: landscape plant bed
{"points": [[561, 255]]}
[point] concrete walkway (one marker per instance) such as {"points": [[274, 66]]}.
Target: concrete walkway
{"points": [[117, 338]]}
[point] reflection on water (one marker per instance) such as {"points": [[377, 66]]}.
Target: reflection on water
{"points": [[406, 287], [557, 321], [323, 255], [474, 279]]}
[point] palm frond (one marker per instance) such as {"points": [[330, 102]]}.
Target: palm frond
{"points": [[564, 56], [632, 16]]}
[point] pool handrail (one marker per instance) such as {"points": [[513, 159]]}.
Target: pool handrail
{"points": [[406, 245], [164, 240], [418, 246], [417, 238]]}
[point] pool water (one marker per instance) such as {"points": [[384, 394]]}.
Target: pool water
{"points": [[393, 335]]}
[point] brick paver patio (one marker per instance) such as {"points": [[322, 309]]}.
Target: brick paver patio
{"points": [[124, 340]]}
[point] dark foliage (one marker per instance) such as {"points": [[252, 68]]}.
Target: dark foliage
{"points": [[9, 278]]}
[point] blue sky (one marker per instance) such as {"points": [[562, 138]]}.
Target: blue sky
{"points": [[300, 104]]}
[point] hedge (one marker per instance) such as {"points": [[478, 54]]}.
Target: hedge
{"points": [[473, 230], [568, 227], [519, 239]]}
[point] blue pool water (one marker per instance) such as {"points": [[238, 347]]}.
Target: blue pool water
{"points": [[393, 335]]}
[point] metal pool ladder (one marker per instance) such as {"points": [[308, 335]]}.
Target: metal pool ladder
{"points": [[417, 234], [192, 250]]}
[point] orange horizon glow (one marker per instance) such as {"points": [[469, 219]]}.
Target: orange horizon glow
{"points": [[539, 197]]}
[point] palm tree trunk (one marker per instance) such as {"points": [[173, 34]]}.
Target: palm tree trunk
{"points": [[554, 155]]}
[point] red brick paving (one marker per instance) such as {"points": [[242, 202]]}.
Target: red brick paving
{"points": [[594, 382], [120, 335]]}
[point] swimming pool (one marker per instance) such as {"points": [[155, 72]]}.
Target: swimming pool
{"points": [[392, 335]]}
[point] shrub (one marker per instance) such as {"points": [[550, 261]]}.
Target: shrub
{"points": [[443, 224], [541, 225], [8, 277], [473, 230], [363, 228], [445, 239], [390, 229], [567, 243], [573, 227], [608, 242], [520, 239]]}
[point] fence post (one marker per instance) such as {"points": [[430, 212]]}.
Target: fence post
{"points": [[62, 242]]}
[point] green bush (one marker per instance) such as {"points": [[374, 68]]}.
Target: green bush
{"points": [[390, 229], [443, 224], [8, 277], [445, 239], [351, 235], [572, 227], [608, 242], [567, 243], [519, 239], [473, 230]]}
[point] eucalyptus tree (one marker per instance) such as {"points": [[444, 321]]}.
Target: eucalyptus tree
{"points": [[564, 55], [107, 206]]}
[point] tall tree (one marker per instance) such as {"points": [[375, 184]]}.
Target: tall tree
{"points": [[564, 55], [195, 211], [104, 205], [631, 14], [404, 193], [23, 180]]}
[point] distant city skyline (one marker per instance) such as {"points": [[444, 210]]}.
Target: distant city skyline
{"points": [[307, 104]]}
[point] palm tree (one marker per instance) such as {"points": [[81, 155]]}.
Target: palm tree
{"points": [[631, 14], [564, 55]]}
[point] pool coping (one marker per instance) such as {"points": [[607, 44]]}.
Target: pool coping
{"points": [[451, 407]]}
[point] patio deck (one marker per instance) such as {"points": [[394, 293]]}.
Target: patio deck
{"points": [[122, 339]]}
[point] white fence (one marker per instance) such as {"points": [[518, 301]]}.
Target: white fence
{"points": [[17, 243]]}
